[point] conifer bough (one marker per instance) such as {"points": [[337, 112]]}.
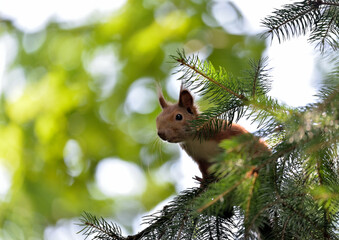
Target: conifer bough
{"points": [[292, 193], [320, 17]]}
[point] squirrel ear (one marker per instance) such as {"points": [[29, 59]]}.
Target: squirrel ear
{"points": [[162, 100], [185, 99]]}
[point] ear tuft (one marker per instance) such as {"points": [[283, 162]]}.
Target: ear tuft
{"points": [[186, 99], [162, 100]]}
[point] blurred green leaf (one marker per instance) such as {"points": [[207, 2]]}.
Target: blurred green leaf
{"points": [[77, 87]]}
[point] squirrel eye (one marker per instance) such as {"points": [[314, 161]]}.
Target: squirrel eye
{"points": [[178, 117]]}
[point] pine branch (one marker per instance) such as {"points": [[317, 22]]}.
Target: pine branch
{"points": [[220, 196], [258, 214], [328, 3], [251, 194], [293, 190], [284, 228], [285, 194], [299, 214], [293, 18], [182, 225], [255, 80], [231, 96], [249, 201], [328, 94], [318, 16], [199, 70], [326, 30], [100, 228]]}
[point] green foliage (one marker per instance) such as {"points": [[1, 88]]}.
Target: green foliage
{"points": [[230, 104], [289, 192], [106, 230], [77, 85], [319, 17]]}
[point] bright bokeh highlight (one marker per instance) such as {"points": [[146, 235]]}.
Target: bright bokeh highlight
{"points": [[119, 178]]}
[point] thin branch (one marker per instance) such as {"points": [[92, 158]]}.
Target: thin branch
{"points": [[275, 156], [300, 214], [258, 214], [251, 194], [284, 228], [321, 182], [102, 230], [192, 67], [328, 100], [182, 225], [250, 198], [248, 175], [292, 19], [93, 225], [318, 170], [328, 30], [256, 76], [325, 232], [320, 2], [210, 203]]}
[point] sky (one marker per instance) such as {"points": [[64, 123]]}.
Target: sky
{"points": [[293, 64]]}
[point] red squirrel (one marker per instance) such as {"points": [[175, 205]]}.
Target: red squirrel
{"points": [[173, 126]]}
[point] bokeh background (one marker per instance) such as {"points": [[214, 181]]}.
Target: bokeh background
{"points": [[78, 102]]}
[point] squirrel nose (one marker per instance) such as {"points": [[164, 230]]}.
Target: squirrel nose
{"points": [[162, 135]]}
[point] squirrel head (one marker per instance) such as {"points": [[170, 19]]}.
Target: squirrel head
{"points": [[173, 122]]}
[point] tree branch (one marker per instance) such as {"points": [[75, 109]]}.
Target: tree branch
{"points": [[277, 27], [197, 71], [320, 2]]}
